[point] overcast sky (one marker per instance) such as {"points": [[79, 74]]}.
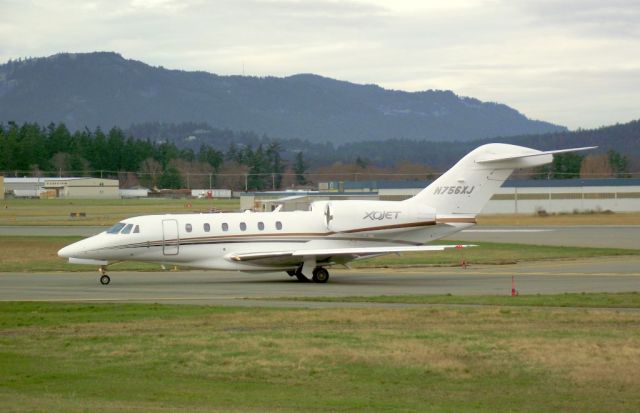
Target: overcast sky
{"points": [[572, 62]]}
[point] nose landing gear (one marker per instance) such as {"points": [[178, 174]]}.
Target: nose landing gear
{"points": [[104, 278]]}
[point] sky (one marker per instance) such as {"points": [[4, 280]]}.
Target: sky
{"points": [[574, 62]]}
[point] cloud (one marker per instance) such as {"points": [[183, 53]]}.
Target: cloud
{"points": [[546, 58], [592, 17]]}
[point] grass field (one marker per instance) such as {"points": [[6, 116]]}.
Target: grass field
{"points": [[100, 212], [39, 253], [116, 357], [584, 300]]}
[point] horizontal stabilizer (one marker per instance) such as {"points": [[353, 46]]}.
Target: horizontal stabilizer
{"points": [[335, 252], [507, 157]]}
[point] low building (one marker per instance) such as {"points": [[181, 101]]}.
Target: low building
{"points": [[524, 196], [68, 188], [134, 192], [211, 193], [565, 195]]}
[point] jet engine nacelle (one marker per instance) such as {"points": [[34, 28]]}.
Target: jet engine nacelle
{"points": [[352, 216]]}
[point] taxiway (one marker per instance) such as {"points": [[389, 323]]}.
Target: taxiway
{"points": [[230, 288]]}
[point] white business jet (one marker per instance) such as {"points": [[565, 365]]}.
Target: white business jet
{"points": [[304, 243]]}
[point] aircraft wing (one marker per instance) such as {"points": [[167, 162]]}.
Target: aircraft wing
{"points": [[333, 254]]}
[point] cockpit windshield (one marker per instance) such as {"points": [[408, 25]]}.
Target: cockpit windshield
{"points": [[116, 228]]}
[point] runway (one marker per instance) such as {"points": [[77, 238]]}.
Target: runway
{"points": [[238, 289]]}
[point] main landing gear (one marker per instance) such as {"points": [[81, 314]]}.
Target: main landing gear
{"points": [[320, 275], [104, 278]]}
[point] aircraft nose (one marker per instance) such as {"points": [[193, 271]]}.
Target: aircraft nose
{"points": [[65, 252], [72, 250]]}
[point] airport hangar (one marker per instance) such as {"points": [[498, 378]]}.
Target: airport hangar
{"points": [[64, 188], [514, 197]]}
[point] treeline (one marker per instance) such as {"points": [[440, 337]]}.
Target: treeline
{"points": [[253, 163], [32, 150], [574, 165]]}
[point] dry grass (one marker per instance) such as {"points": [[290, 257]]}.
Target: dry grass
{"points": [[100, 212], [419, 359], [35, 253], [586, 360]]}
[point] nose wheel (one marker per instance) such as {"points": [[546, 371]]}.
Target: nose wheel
{"points": [[104, 278]]}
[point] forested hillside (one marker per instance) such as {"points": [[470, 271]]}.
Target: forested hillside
{"points": [[623, 138], [106, 90], [189, 155]]}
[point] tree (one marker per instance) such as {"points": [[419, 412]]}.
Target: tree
{"points": [[234, 154], [596, 166], [259, 168], [564, 166], [299, 168], [194, 174], [619, 164], [61, 161], [170, 178], [232, 175], [362, 163], [276, 163], [150, 172], [211, 156]]}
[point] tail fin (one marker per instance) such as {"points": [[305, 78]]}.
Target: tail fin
{"points": [[470, 183]]}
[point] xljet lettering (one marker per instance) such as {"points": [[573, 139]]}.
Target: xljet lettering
{"points": [[454, 190], [380, 215]]}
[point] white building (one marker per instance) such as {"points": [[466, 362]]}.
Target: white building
{"points": [[524, 196]]}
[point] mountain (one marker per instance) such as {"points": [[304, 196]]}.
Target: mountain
{"points": [[104, 89]]}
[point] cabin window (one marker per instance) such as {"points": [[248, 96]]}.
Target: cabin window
{"points": [[243, 226], [136, 230], [278, 225], [127, 229], [116, 228], [261, 226], [207, 227], [225, 226], [188, 227]]}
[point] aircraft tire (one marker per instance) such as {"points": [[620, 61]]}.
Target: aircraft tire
{"points": [[320, 275], [105, 279]]}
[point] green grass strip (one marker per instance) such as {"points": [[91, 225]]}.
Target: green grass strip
{"points": [[587, 300]]}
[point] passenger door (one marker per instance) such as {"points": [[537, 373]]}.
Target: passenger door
{"points": [[170, 237]]}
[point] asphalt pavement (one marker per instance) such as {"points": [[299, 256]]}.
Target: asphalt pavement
{"points": [[232, 288]]}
